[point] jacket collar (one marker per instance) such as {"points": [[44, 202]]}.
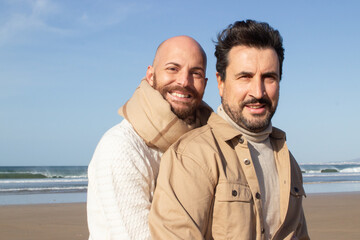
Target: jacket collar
{"points": [[223, 129], [151, 117], [228, 132]]}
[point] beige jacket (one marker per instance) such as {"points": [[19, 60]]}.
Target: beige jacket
{"points": [[207, 188]]}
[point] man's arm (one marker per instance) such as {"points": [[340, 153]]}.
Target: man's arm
{"points": [[119, 190], [183, 198], [301, 232]]}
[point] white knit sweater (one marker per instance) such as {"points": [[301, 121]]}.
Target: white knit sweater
{"points": [[124, 168], [122, 176]]}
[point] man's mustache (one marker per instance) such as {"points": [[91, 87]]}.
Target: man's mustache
{"points": [[254, 100]]}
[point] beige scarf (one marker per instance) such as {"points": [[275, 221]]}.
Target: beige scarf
{"points": [[151, 116]]}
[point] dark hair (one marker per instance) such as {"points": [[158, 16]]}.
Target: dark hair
{"points": [[248, 33]]}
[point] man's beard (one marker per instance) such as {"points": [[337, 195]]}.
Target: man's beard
{"points": [[188, 112], [258, 123]]}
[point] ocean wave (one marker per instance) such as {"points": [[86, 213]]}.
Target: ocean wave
{"points": [[21, 175], [39, 172], [338, 174], [351, 170], [44, 189], [330, 163], [45, 180], [332, 170], [320, 182], [24, 175], [324, 170]]}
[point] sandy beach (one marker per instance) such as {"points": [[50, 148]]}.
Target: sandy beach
{"points": [[329, 216], [44, 222], [333, 216]]}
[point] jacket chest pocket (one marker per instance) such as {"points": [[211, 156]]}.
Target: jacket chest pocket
{"points": [[237, 192], [234, 215], [294, 214], [297, 193], [297, 190]]}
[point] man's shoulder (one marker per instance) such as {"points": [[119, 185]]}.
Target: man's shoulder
{"points": [[119, 128], [196, 133], [278, 133], [205, 138], [121, 145], [195, 141], [123, 130], [121, 136]]}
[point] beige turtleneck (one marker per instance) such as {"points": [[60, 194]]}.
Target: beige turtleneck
{"points": [[262, 155]]}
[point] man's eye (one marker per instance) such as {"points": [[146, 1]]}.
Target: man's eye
{"points": [[172, 69], [271, 79], [198, 74], [244, 77]]}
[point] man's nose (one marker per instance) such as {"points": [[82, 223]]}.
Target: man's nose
{"points": [[184, 78], [257, 88]]}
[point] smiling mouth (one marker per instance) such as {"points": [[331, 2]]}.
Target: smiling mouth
{"points": [[255, 106], [180, 95]]}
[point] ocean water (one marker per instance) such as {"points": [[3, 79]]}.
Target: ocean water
{"points": [[44, 184], [59, 184], [331, 177]]}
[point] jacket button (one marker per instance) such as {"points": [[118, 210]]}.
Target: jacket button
{"points": [[257, 195], [247, 161], [241, 140], [263, 230], [234, 193]]}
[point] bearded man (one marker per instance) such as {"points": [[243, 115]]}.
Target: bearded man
{"points": [[125, 165], [235, 177]]}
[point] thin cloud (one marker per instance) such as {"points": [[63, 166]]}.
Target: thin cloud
{"points": [[113, 13], [28, 17]]}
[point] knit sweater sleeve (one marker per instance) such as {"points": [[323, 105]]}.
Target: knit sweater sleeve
{"points": [[121, 179]]}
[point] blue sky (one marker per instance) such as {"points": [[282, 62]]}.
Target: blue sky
{"points": [[67, 66]]}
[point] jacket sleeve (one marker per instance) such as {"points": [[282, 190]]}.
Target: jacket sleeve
{"points": [[182, 203], [119, 192], [301, 230]]}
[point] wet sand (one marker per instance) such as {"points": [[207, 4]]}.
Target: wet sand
{"points": [[329, 216], [65, 221], [333, 216]]}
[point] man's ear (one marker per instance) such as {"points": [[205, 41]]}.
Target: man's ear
{"points": [[150, 75], [220, 84], [206, 80]]}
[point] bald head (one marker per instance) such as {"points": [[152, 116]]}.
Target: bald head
{"points": [[183, 42]]}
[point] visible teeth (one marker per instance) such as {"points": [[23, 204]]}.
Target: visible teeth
{"points": [[180, 95], [256, 107]]}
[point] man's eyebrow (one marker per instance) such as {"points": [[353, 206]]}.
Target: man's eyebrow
{"points": [[172, 63], [198, 68], [243, 73], [178, 65], [267, 74], [270, 74]]}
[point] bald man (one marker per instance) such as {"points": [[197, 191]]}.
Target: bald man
{"points": [[124, 167]]}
